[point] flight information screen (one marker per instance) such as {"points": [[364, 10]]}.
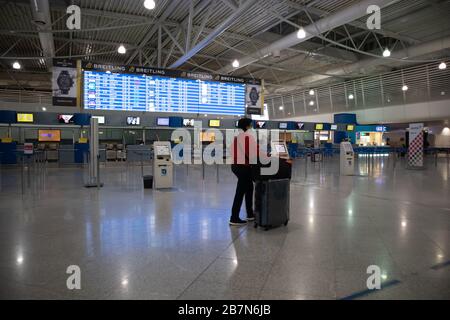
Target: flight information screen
{"points": [[153, 93]]}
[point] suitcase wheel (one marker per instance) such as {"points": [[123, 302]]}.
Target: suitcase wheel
{"points": [[266, 229], [286, 223]]}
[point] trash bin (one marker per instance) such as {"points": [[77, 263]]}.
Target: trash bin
{"points": [[148, 182]]}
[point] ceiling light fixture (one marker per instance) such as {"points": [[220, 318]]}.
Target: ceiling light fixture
{"points": [[149, 4], [301, 34], [442, 66], [405, 88], [351, 97], [311, 103], [311, 92], [281, 108], [386, 53], [16, 65], [236, 63], [122, 49]]}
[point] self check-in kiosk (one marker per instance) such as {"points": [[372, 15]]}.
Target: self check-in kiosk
{"points": [[162, 165], [279, 149], [347, 161]]}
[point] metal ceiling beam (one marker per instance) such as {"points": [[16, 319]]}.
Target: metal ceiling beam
{"points": [[166, 12], [231, 3], [216, 32], [410, 52], [140, 19], [358, 24], [41, 18], [330, 22]]}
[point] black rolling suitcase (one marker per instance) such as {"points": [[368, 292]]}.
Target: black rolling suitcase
{"points": [[272, 199]]}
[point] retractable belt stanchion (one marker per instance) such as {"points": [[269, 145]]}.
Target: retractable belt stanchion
{"points": [[395, 158], [217, 172], [98, 171], [94, 156], [28, 172], [203, 170], [435, 157], [306, 164], [22, 175], [142, 164], [1, 171]]}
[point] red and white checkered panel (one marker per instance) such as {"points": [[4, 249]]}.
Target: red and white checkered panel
{"points": [[416, 151]]}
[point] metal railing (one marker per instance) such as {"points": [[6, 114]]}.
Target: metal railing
{"points": [[425, 83], [24, 96]]}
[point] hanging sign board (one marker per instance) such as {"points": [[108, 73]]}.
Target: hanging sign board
{"points": [[65, 83], [254, 98]]}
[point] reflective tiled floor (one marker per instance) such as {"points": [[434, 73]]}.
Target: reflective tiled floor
{"points": [[132, 243]]}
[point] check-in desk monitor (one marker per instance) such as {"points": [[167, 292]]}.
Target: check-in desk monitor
{"points": [[279, 149], [347, 159], [162, 165]]}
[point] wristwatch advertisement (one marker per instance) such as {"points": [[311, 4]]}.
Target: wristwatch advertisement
{"points": [[65, 89], [65, 82], [254, 99]]}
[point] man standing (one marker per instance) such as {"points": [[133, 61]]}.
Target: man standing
{"points": [[245, 152]]}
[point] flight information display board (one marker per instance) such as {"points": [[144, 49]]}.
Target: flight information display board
{"points": [[159, 90]]}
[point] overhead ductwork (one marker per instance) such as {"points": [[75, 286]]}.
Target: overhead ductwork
{"points": [[41, 18], [334, 20], [410, 52]]}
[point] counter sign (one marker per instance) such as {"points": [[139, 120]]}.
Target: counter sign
{"points": [[28, 148]]}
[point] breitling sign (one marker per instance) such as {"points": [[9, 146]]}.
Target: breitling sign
{"points": [[65, 83]]}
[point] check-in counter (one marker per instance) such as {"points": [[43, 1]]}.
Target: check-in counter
{"points": [[138, 152], [66, 154], [8, 153]]}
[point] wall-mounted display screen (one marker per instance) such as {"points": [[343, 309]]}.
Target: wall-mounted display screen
{"points": [[283, 125], [207, 136], [324, 136], [25, 117], [280, 148], [319, 126], [101, 119], [162, 151], [65, 118], [334, 127], [214, 123], [260, 124], [350, 127], [139, 92], [49, 135], [163, 122], [133, 121], [188, 123]]}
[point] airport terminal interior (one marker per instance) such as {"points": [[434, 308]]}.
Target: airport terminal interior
{"points": [[121, 125]]}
